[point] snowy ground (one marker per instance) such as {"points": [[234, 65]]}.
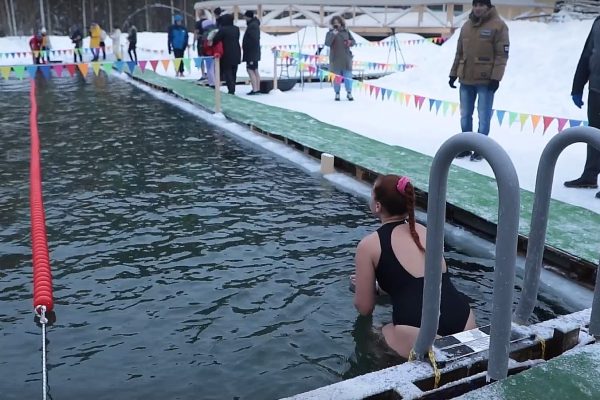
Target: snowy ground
{"points": [[537, 81]]}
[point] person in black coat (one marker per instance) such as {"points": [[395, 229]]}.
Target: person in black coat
{"points": [[251, 48], [588, 72], [229, 35]]}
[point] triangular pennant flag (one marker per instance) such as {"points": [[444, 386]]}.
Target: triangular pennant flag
{"points": [[535, 120], [371, 88], [585, 123], [5, 71], [46, 70], [142, 65], [500, 114], [58, 69], [547, 122], [377, 91], [119, 65], [187, 64], [177, 63], [83, 68], [19, 71], [71, 68], [573, 123], [512, 117], [197, 62], [445, 106], [165, 64], [31, 70], [454, 107], [131, 65], [96, 67], [107, 67], [523, 118], [438, 104], [153, 64], [431, 103], [389, 94], [407, 98], [561, 124]]}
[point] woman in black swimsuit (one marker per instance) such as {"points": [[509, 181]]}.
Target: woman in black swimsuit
{"points": [[393, 259]]}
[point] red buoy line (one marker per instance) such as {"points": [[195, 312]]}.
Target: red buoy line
{"points": [[42, 277]]}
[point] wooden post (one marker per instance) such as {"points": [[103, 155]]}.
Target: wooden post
{"points": [[236, 13], [172, 11], [217, 85], [353, 15], [450, 14], [14, 19], [275, 69], [259, 12], [42, 22], [322, 16]]}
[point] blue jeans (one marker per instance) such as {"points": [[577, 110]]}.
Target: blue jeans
{"points": [[485, 102], [347, 81]]}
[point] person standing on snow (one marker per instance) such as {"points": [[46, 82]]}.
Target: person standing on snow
{"points": [[35, 44], [588, 71], [95, 33], [229, 35], [251, 50], [77, 39], [481, 57], [46, 46], [339, 41], [132, 39], [178, 41], [115, 36]]}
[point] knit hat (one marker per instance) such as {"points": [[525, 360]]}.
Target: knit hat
{"points": [[484, 2], [249, 14], [178, 18], [218, 11]]}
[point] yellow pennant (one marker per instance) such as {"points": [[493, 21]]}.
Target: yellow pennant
{"points": [[96, 68], [5, 71], [523, 118], [177, 63], [454, 107]]}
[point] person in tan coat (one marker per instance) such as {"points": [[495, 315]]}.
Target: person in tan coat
{"points": [[481, 56]]}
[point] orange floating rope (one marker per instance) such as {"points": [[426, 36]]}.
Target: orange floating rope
{"points": [[42, 276]]}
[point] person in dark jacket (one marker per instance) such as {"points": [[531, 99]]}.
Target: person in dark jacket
{"points": [[218, 13], [229, 35], [77, 39], [479, 64], [251, 50], [339, 40], [178, 41], [588, 71], [132, 39]]}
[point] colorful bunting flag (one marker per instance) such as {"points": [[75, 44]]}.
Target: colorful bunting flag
{"points": [[58, 69], [96, 67], [83, 68], [31, 70], [500, 114], [5, 72], [71, 69], [547, 122]]}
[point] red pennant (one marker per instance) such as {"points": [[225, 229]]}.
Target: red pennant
{"points": [[142, 65], [71, 69], [58, 69], [377, 91], [547, 122], [154, 64]]}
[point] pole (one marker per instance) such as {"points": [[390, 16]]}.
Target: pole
{"points": [[172, 11], [110, 16], [147, 16], [83, 15], [217, 84], [42, 22], [275, 69]]}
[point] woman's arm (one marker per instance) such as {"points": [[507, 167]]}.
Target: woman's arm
{"points": [[364, 295]]}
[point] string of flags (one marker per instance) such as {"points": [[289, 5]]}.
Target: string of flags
{"points": [[45, 53], [445, 107], [59, 70], [382, 43], [437, 106], [319, 59]]}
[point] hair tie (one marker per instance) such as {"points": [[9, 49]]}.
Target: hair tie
{"points": [[402, 182]]}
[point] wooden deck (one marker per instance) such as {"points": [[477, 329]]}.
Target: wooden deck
{"points": [[373, 18]]}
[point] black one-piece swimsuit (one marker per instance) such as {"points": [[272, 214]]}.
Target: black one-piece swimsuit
{"points": [[406, 291]]}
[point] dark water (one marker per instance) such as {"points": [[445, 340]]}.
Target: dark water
{"points": [[186, 265]]}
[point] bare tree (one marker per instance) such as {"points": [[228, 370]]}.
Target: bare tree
{"points": [[110, 16], [11, 29], [14, 19], [42, 23]]}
